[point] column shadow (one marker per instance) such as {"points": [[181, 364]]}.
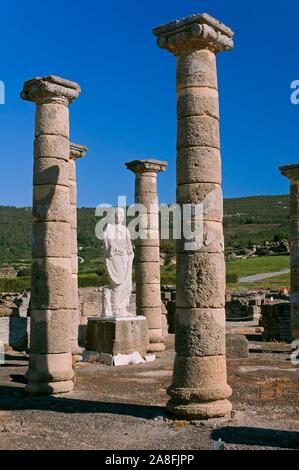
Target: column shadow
{"points": [[261, 437], [15, 399]]}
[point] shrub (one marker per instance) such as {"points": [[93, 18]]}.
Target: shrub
{"points": [[24, 272], [93, 280], [15, 284], [231, 278]]}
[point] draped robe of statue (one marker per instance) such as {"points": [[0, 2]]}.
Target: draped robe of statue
{"points": [[118, 252]]}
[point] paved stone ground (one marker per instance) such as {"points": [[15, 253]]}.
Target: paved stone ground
{"points": [[124, 407]]}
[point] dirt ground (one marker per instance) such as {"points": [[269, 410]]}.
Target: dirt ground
{"points": [[124, 407]]}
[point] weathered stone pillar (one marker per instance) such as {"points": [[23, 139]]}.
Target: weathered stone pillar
{"points": [[147, 254], [76, 151], [292, 172], [199, 389], [50, 365]]}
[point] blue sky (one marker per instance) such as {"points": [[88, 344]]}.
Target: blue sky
{"points": [[127, 107]]}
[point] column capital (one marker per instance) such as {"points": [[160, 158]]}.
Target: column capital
{"points": [[200, 31], [146, 166], [291, 171], [49, 89], [77, 151]]}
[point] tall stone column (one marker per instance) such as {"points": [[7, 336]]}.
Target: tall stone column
{"points": [[199, 389], [50, 365], [292, 172], [147, 254], [76, 152]]}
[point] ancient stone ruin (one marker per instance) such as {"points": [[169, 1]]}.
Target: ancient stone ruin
{"points": [[147, 250], [199, 388], [53, 293], [292, 172], [61, 320]]}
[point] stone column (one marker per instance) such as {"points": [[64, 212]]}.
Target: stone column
{"points": [[199, 389], [50, 365], [292, 172], [147, 251], [76, 151]]}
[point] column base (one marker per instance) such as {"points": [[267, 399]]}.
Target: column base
{"points": [[190, 411], [51, 388], [50, 374], [156, 340]]}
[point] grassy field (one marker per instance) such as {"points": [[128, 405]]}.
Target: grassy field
{"points": [[247, 221], [93, 274], [261, 265]]}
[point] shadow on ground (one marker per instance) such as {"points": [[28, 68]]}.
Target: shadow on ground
{"points": [[251, 436], [15, 399]]}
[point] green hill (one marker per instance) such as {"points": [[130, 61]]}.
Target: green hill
{"points": [[247, 221]]}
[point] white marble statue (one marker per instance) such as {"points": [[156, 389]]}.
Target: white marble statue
{"points": [[119, 255]]}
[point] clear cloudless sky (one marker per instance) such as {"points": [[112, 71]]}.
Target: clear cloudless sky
{"points": [[127, 107]]}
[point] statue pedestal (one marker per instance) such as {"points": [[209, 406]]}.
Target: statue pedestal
{"points": [[117, 335]]}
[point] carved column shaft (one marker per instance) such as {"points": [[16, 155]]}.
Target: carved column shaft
{"points": [[76, 152], [199, 389], [147, 251], [292, 172], [50, 365]]}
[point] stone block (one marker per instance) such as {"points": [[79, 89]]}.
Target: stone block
{"points": [[147, 273], [47, 368], [51, 283], [52, 119], [74, 300], [197, 69], [237, 346], [50, 331], [74, 262], [52, 146], [200, 280], [105, 359], [117, 335], [200, 378], [146, 198], [202, 131], [50, 171], [14, 332], [51, 239], [208, 237], [198, 165], [92, 303], [207, 194], [146, 184], [72, 170], [73, 191], [51, 203], [200, 332], [197, 102], [153, 316], [149, 295]]}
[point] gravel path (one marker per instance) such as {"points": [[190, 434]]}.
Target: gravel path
{"points": [[260, 277]]}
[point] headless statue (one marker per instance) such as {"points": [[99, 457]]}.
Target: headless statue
{"points": [[119, 255]]}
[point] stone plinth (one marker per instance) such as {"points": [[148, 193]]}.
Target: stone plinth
{"points": [[292, 172], [50, 364], [199, 389], [117, 335], [147, 250]]}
